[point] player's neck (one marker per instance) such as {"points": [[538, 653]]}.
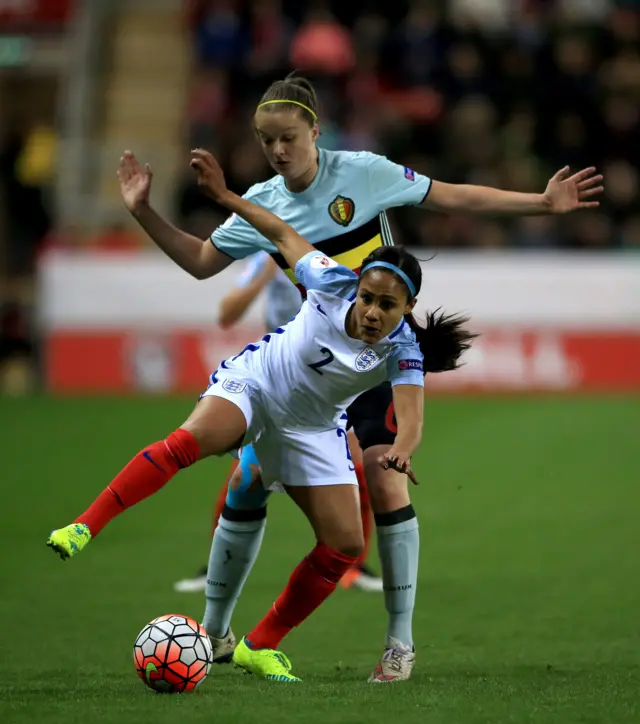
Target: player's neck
{"points": [[303, 182], [350, 324]]}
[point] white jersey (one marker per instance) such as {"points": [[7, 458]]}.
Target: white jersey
{"points": [[310, 370]]}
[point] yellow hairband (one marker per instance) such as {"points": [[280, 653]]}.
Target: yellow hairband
{"points": [[295, 103]]}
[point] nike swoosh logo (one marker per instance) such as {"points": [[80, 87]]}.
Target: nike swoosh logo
{"points": [[147, 455]]}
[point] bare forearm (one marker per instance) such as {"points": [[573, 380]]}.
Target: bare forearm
{"points": [[288, 242], [483, 200], [234, 306], [408, 402], [184, 249], [409, 437]]}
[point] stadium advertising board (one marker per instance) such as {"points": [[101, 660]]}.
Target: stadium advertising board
{"points": [[548, 322]]}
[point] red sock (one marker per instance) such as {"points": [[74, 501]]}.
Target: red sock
{"points": [[222, 497], [314, 579], [149, 471], [365, 511]]}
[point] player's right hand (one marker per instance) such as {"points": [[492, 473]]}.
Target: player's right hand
{"points": [[209, 174], [135, 182], [398, 460]]}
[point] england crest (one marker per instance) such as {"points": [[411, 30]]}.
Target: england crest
{"points": [[366, 359], [233, 386]]}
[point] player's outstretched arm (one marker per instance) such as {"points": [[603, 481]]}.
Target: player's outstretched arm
{"points": [[408, 401], [565, 192], [289, 243], [197, 257], [236, 303]]}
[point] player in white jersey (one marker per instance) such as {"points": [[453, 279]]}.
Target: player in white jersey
{"points": [[282, 302], [338, 201], [351, 334]]}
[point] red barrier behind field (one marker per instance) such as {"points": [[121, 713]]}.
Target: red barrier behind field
{"points": [[126, 361], [548, 323]]}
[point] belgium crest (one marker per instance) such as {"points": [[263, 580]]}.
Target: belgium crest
{"points": [[341, 210]]}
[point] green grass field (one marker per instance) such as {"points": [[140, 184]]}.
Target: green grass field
{"points": [[529, 598]]}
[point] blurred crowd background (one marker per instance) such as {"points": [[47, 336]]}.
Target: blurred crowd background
{"points": [[495, 92]]}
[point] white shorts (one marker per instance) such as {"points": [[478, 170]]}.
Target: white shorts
{"points": [[287, 457]]}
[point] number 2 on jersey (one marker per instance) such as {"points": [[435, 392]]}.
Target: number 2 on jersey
{"points": [[315, 366], [343, 433]]}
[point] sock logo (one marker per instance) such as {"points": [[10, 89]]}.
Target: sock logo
{"points": [[216, 584], [228, 555], [393, 589], [147, 456]]}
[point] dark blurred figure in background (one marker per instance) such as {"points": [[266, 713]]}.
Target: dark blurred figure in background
{"points": [[27, 163], [16, 350], [496, 92]]}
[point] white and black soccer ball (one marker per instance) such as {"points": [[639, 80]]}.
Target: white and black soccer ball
{"points": [[172, 654]]}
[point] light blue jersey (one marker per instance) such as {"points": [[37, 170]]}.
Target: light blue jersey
{"points": [[309, 371], [283, 299], [342, 212]]}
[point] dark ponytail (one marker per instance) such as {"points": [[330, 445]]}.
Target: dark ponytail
{"points": [[444, 338], [289, 93]]}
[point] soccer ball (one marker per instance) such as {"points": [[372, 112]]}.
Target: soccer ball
{"points": [[172, 654]]}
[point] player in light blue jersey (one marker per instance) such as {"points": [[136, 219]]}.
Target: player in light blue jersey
{"points": [[282, 303], [338, 201], [282, 299], [287, 395]]}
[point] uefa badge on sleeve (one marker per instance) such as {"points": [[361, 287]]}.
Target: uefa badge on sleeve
{"points": [[410, 364], [321, 261]]}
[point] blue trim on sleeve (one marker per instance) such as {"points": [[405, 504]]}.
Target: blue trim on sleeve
{"points": [[398, 329], [428, 191], [233, 258], [417, 380]]}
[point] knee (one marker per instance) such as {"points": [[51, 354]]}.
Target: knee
{"points": [[184, 447], [388, 489], [351, 546], [354, 550], [384, 499], [246, 476], [331, 563], [204, 439], [250, 499]]}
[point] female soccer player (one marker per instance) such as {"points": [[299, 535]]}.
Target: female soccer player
{"points": [[287, 395], [337, 200], [282, 303]]}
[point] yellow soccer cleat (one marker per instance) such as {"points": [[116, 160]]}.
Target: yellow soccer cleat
{"points": [[264, 663], [70, 540]]}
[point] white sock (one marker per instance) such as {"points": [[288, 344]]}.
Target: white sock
{"points": [[398, 548], [234, 549]]}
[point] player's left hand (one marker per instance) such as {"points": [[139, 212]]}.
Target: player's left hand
{"points": [[565, 193], [208, 173], [400, 461]]}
